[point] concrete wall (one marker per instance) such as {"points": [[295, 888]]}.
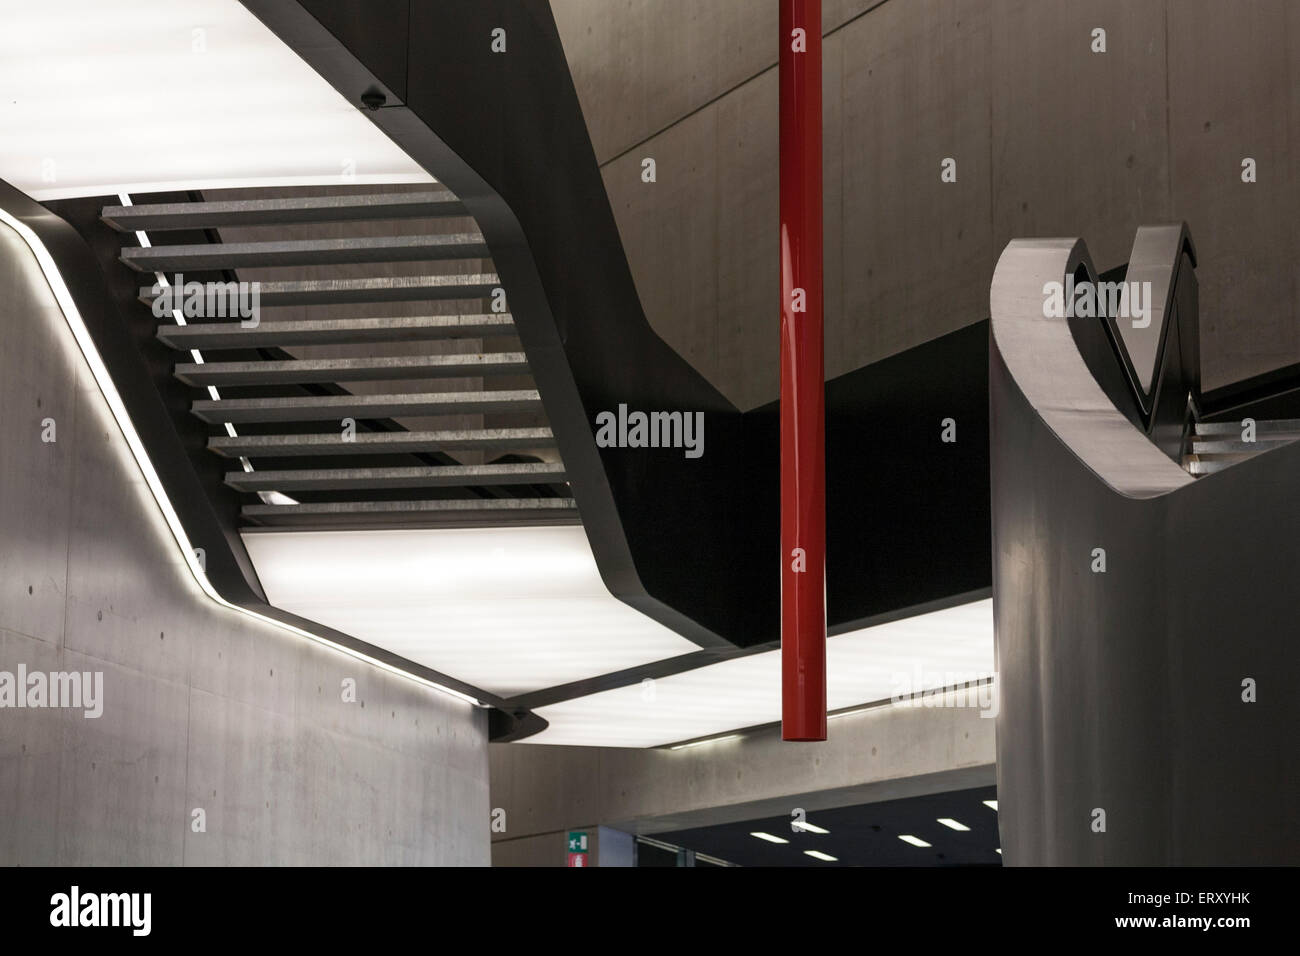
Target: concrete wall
{"points": [[884, 753], [1049, 137], [204, 708]]}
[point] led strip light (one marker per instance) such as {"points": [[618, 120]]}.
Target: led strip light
{"points": [[106, 387], [142, 237]]}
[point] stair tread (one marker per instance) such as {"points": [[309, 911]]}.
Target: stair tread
{"points": [[378, 443], [233, 335], [436, 202], [1207, 467], [1264, 425], [444, 511], [304, 252], [334, 479], [301, 408], [297, 371], [1202, 445], [433, 504], [368, 289]]}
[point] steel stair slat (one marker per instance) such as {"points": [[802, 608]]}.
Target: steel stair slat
{"points": [[433, 203], [440, 476], [304, 252], [301, 371], [318, 408], [442, 512], [379, 443], [233, 335], [369, 289], [1203, 446], [1262, 426]]}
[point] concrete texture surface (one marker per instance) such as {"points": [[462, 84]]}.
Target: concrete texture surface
{"points": [[1050, 139], [203, 707]]}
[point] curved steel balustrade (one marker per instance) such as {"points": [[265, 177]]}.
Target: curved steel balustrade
{"points": [[1136, 608]]}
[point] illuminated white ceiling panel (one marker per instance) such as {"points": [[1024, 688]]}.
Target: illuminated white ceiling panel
{"points": [[505, 609], [100, 97], [928, 651]]}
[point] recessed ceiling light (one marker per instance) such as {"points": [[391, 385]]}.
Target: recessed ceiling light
{"points": [[819, 855], [769, 838], [807, 827], [952, 824], [915, 841], [991, 804]]}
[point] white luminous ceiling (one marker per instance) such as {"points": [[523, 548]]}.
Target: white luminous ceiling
{"points": [[508, 610], [928, 651], [99, 97]]}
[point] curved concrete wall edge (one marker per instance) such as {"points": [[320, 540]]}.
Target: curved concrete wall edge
{"points": [[1045, 364]]}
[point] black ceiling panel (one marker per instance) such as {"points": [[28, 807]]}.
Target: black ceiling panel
{"points": [[862, 835]]}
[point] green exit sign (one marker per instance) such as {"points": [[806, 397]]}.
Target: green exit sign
{"points": [[577, 841]]}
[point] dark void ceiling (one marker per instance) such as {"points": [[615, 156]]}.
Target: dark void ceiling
{"points": [[863, 835]]}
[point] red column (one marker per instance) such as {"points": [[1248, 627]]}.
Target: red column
{"points": [[803, 439]]}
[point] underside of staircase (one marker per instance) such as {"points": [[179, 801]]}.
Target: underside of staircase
{"points": [[381, 381]]}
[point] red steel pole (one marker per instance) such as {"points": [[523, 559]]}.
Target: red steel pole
{"points": [[803, 424]]}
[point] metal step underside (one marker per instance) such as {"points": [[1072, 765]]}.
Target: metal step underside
{"points": [[451, 513], [355, 479], [380, 443], [413, 455], [433, 203], [320, 408], [1266, 426], [304, 252], [1211, 445], [1203, 467], [1222, 455], [369, 289], [383, 368], [233, 335]]}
